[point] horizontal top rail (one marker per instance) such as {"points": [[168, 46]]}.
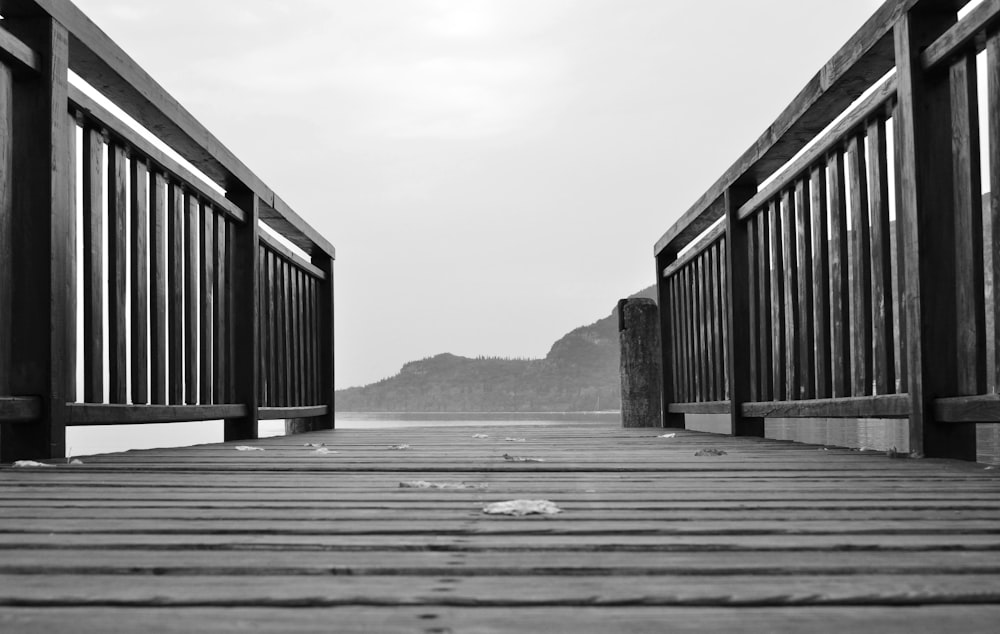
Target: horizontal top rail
{"points": [[969, 29], [117, 128], [16, 52], [859, 63], [290, 256], [96, 58]]}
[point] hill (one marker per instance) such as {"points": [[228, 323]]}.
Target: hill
{"points": [[580, 373]]}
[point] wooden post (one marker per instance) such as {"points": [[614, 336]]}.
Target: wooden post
{"points": [[42, 245], [927, 229], [667, 351], [326, 341], [738, 288], [245, 300], [641, 370]]}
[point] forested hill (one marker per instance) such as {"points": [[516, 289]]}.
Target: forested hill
{"points": [[580, 373]]}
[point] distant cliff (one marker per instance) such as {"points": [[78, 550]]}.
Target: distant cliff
{"points": [[580, 373]]}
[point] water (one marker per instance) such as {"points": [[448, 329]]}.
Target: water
{"points": [[90, 440], [875, 434]]}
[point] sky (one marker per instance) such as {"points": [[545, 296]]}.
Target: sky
{"points": [[493, 173]]}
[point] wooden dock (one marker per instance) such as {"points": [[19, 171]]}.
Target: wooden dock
{"points": [[772, 536]]}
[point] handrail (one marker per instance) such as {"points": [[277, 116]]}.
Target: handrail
{"points": [[855, 240], [866, 57], [195, 294]]}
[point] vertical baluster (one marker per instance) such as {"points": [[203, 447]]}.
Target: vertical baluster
{"points": [[207, 308], [273, 330], [282, 328], [803, 234], [140, 284], [723, 308], [899, 262], [192, 217], [969, 284], [221, 335], [753, 301], [117, 265], [685, 309], [175, 288], [296, 336], [6, 227], [287, 332], [840, 313], [860, 266], [711, 326], [791, 296], [262, 326], [699, 331], [992, 245], [235, 282], [158, 282], [778, 367], [764, 327], [821, 281], [303, 341], [93, 266], [878, 181]]}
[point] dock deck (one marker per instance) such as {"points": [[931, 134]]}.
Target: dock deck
{"points": [[772, 536]]}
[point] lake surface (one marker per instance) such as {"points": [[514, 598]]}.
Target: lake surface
{"points": [[874, 434]]}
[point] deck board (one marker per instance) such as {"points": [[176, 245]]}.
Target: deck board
{"points": [[774, 536]]}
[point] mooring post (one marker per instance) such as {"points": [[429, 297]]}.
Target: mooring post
{"points": [[641, 362]]}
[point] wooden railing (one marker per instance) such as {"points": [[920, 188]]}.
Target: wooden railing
{"points": [[846, 265], [158, 295]]}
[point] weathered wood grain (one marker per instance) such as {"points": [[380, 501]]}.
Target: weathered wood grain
{"points": [[117, 266], [992, 240], [139, 198], [884, 366], [192, 301], [206, 304], [158, 274], [840, 313], [175, 293], [93, 266], [778, 316], [821, 280]]}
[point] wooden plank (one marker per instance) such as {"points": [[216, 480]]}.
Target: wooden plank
{"points": [[923, 133], [18, 57], [752, 297], [139, 269], [860, 268], [287, 334], [840, 314], [684, 306], [793, 365], [992, 240], [968, 409], [192, 272], [158, 273], [20, 409], [778, 349], [290, 256], [175, 292], [206, 304], [881, 271], [142, 148], [71, 239], [820, 279], [764, 306], [713, 362], [220, 335], [899, 268], [90, 414], [297, 341], [888, 406], [304, 342], [865, 58], [723, 309], [263, 325], [702, 407], [93, 267], [969, 31], [277, 413], [232, 294], [280, 371], [6, 226], [969, 284], [804, 292], [272, 335], [117, 274], [313, 347]]}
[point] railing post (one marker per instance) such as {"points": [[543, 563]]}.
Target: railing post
{"points": [[326, 341], [672, 420], [739, 306], [245, 307], [926, 215], [42, 222]]}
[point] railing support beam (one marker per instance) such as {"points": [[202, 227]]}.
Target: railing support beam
{"points": [[44, 296], [738, 290], [245, 324], [926, 215]]}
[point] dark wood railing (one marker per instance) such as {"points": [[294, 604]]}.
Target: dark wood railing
{"points": [[207, 316], [846, 265]]}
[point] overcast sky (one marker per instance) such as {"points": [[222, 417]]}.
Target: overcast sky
{"points": [[493, 173]]}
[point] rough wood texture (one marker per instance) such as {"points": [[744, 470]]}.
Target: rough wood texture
{"points": [[192, 217], [158, 288], [117, 265], [889, 406], [641, 373], [840, 314], [860, 268], [246, 369], [90, 414], [93, 267], [992, 239], [6, 226], [773, 536], [139, 261], [175, 290]]}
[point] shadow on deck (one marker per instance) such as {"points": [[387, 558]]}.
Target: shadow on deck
{"points": [[771, 536]]}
